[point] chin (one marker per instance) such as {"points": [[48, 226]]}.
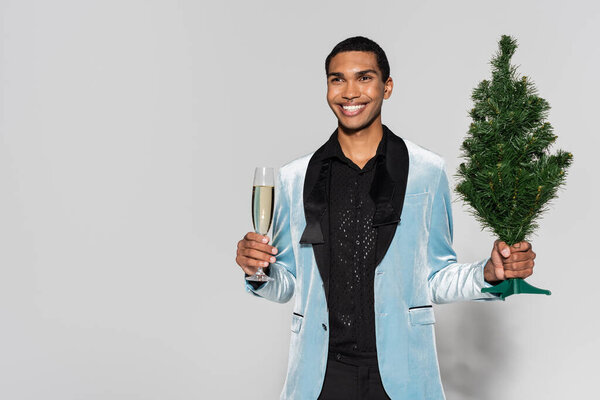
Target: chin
{"points": [[355, 126]]}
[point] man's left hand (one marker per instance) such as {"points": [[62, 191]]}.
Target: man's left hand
{"points": [[506, 261]]}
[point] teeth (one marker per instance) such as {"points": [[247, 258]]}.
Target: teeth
{"points": [[353, 108]]}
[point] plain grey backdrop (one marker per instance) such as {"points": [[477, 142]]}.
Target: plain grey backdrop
{"points": [[129, 134]]}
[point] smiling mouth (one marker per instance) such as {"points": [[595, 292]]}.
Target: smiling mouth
{"points": [[352, 109]]}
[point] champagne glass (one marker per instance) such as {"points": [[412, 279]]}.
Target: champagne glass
{"points": [[263, 197]]}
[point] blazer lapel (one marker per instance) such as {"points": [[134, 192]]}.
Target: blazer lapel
{"points": [[316, 210], [388, 190]]}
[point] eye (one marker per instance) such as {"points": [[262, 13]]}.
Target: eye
{"points": [[335, 80], [364, 78]]}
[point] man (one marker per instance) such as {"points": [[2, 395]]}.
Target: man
{"points": [[362, 235]]}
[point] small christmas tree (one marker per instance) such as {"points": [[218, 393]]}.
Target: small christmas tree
{"points": [[509, 175]]}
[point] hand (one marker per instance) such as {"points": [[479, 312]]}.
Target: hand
{"points": [[253, 252], [506, 261]]}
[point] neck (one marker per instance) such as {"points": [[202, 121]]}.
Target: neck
{"points": [[361, 145]]}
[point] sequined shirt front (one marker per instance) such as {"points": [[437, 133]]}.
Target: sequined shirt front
{"points": [[352, 255]]}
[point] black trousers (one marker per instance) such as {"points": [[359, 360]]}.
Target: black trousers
{"points": [[352, 378]]}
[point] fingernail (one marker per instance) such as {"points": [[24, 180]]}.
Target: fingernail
{"points": [[272, 259], [517, 245], [505, 252], [265, 240], [274, 250], [265, 263]]}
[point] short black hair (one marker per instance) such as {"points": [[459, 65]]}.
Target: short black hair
{"points": [[361, 43]]}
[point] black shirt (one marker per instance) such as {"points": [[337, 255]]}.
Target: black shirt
{"points": [[352, 248]]}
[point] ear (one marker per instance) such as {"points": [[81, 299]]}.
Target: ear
{"points": [[388, 86]]}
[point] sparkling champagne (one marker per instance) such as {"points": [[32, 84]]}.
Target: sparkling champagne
{"points": [[263, 197], [262, 208]]}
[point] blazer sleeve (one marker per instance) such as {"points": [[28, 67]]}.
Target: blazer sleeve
{"points": [[283, 270], [450, 281]]}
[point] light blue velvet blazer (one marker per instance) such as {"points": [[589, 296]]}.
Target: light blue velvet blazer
{"points": [[416, 267]]}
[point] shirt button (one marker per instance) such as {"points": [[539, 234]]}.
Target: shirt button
{"points": [[324, 327], [338, 356]]}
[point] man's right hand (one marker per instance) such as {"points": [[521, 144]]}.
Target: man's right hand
{"points": [[253, 251]]}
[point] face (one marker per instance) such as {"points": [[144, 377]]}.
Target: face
{"points": [[355, 91]]}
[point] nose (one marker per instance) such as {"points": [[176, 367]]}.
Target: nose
{"points": [[350, 91]]}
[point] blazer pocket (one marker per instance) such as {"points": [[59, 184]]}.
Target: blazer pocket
{"points": [[422, 315], [296, 322]]}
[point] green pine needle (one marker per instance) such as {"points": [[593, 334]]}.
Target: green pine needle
{"points": [[509, 175]]}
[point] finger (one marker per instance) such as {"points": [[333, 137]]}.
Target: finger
{"points": [[257, 255], [524, 273], [503, 248], [520, 256], [260, 246], [520, 246], [519, 266], [497, 262], [246, 262], [256, 237]]}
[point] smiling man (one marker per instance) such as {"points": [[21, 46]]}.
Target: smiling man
{"points": [[362, 235]]}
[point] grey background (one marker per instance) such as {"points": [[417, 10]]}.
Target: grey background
{"points": [[129, 133]]}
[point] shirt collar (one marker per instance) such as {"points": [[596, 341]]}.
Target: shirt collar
{"points": [[333, 149]]}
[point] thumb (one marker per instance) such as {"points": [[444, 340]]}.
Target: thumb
{"points": [[500, 252], [503, 248]]}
